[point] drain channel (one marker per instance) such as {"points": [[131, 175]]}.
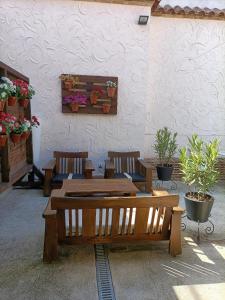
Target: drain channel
{"points": [[103, 274]]}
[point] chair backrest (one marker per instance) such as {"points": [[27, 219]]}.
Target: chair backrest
{"points": [[115, 218], [70, 162], [124, 161]]}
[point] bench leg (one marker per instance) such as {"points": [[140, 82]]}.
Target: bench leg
{"points": [[175, 247], [50, 252]]}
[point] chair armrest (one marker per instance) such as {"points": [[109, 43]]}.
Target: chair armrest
{"points": [[50, 165], [88, 169], [89, 165], [109, 165], [144, 164], [109, 169]]}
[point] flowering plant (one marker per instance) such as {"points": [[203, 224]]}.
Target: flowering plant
{"points": [[31, 91], [21, 88], [35, 122], [4, 91], [7, 122], [77, 98], [111, 84], [11, 86], [97, 91]]}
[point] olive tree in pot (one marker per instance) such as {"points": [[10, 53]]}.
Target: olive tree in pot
{"points": [[198, 165], [165, 146]]}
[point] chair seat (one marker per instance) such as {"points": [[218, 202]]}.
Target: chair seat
{"points": [[135, 176], [58, 178]]}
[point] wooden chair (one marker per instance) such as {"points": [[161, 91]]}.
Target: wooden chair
{"points": [[64, 164], [130, 163], [93, 220]]}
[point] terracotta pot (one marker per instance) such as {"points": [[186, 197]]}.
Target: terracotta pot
{"points": [[15, 137], [2, 104], [74, 107], [11, 101], [106, 108], [111, 91], [3, 139], [68, 84], [24, 102], [94, 98], [25, 135]]}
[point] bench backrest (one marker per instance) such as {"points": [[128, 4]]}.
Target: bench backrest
{"points": [[112, 218], [70, 162], [125, 161]]}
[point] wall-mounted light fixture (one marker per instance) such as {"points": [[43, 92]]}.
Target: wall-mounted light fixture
{"points": [[143, 20]]}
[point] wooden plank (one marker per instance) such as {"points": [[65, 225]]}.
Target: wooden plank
{"points": [[70, 222], [115, 221], [88, 222], [130, 221], [115, 202], [141, 221]]}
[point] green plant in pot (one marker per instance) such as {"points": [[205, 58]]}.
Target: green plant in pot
{"points": [[198, 165], [165, 147]]}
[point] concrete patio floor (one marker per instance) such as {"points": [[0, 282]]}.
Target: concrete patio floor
{"points": [[138, 271]]}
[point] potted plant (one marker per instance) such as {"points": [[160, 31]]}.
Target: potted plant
{"points": [[198, 165], [24, 92], [165, 147], [17, 130], [26, 126], [106, 108], [4, 93], [11, 91], [74, 101], [96, 93], [6, 122], [111, 88]]}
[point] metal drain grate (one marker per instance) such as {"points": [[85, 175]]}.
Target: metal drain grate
{"points": [[103, 274]]}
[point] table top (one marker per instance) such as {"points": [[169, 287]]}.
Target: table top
{"points": [[95, 186]]}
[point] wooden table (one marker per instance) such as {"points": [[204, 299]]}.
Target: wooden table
{"points": [[99, 186]]}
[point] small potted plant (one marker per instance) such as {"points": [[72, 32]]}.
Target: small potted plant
{"points": [[25, 128], [4, 94], [111, 88], [17, 130], [74, 101], [11, 91], [165, 147], [106, 108], [96, 93], [24, 92], [200, 173], [6, 123]]}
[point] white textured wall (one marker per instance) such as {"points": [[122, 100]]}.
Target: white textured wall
{"points": [[171, 72]]}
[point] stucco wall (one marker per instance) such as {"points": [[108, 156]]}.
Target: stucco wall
{"points": [[171, 72]]}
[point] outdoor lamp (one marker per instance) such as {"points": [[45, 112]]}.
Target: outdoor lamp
{"points": [[143, 20]]}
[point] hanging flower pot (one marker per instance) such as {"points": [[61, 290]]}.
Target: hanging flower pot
{"points": [[68, 84], [24, 102], [15, 137], [94, 97], [111, 91], [2, 105], [106, 108], [25, 135], [11, 101], [74, 106], [3, 139]]}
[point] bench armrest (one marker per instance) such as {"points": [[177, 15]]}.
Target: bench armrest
{"points": [[50, 165], [48, 210]]}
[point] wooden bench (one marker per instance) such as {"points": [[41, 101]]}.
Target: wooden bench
{"points": [[92, 220]]}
